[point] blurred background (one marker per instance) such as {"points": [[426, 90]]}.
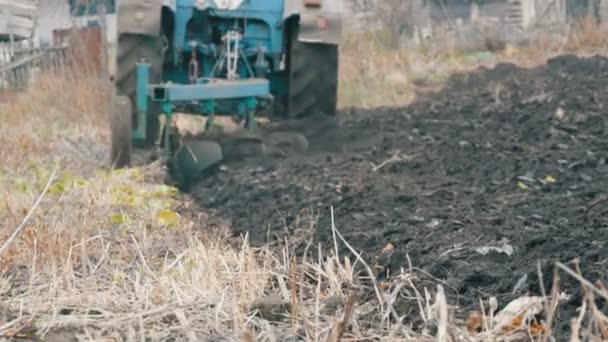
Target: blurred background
{"points": [[37, 35]]}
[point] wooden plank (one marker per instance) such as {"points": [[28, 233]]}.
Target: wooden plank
{"points": [[11, 78], [23, 61], [5, 55], [21, 77]]}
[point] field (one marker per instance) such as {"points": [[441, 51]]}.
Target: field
{"points": [[449, 186]]}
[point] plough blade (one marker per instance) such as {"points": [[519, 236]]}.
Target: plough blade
{"points": [[193, 158]]}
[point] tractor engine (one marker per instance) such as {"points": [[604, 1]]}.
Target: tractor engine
{"points": [[220, 43]]}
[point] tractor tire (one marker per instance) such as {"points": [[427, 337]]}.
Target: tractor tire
{"points": [[132, 49], [312, 77], [120, 129]]}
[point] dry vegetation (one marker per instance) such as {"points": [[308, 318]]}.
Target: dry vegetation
{"points": [[118, 256], [374, 74]]}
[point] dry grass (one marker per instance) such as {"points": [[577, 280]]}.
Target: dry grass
{"points": [[373, 74], [118, 256]]}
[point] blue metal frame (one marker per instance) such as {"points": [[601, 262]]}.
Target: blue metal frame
{"points": [[217, 89], [261, 23], [244, 94], [270, 12]]}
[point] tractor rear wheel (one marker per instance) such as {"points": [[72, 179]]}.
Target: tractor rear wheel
{"points": [[312, 77], [132, 49]]}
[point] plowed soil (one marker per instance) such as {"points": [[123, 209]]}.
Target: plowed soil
{"points": [[505, 157]]}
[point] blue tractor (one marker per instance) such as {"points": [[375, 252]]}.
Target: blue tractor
{"points": [[219, 57]]}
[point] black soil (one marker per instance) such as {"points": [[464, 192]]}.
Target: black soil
{"points": [[499, 157]]}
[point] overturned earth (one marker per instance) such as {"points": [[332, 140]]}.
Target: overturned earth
{"points": [[474, 184]]}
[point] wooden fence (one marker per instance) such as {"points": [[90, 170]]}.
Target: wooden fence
{"points": [[20, 66], [78, 50]]}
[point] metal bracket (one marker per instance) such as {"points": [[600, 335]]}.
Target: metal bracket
{"points": [[142, 94], [214, 89]]}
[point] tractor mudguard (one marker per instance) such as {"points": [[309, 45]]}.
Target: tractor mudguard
{"points": [[320, 28], [139, 17], [318, 24]]}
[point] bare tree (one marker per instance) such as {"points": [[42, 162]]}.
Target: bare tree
{"points": [[398, 17]]}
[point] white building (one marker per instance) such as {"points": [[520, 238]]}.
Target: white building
{"points": [[17, 19]]}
